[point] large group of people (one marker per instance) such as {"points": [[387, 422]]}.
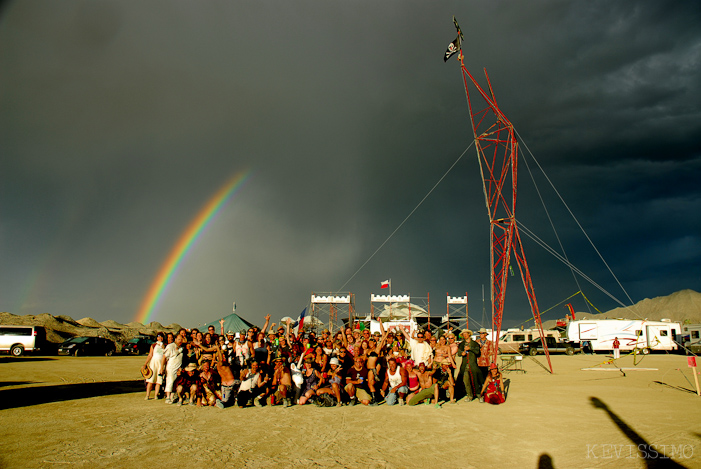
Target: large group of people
{"points": [[269, 366]]}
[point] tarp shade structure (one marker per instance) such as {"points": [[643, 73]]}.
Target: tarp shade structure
{"points": [[233, 322], [403, 311]]}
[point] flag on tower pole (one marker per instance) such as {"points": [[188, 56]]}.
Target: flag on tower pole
{"points": [[386, 284]]}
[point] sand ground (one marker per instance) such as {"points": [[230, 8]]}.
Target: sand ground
{"points": [[90, 412]]}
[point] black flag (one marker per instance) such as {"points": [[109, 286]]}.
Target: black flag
{"points": [[454, 46]]}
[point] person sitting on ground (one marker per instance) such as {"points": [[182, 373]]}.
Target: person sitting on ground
{"points": [[252, 383], [188, 384], [282, 383], [332, 380], [412, 380], [311, 380], [427, 383], [209, 382], [225, 394], [358, 383], [443, 378], [493, 389], [395, 384]]}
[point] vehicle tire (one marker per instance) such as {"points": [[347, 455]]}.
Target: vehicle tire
{"points": [[533, 352], [75, 354], [17, 350], [569, 351], [646, 351]]}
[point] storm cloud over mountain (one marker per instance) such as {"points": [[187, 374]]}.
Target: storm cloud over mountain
{"points": [[120, 120]]}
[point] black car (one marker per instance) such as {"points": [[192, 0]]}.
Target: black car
{"points": [[138, 345], [79, 346], [554, 346]]}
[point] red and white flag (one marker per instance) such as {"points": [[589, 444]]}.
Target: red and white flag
{"points": [[385, 284]]}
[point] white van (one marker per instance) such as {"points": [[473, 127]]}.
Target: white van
{"points": [[18, 339]]}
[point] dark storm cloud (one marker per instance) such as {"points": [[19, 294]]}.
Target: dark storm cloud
{"points": [[119, 120]]}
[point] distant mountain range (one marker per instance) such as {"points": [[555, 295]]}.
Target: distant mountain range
{"points": [[682, 306], [59, 328]]}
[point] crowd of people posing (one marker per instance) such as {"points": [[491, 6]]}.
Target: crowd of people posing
{"points": [[353, 366]]}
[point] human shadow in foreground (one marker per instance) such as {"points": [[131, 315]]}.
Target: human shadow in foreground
{"points": [[643, 447], [23, 397], [545, 462]]}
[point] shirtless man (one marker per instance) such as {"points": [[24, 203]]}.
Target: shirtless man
{"points": [[282, 382], [227, 381], [427, 385]]}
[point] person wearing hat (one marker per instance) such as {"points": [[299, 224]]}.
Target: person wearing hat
{"points": [[469, 370], [493, 388], [444, 382], [188, 383], [486, 353], [331, 381]]}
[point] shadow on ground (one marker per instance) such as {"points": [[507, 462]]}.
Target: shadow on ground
{"points": [[23, 397], [653, 457], [24, 359]]}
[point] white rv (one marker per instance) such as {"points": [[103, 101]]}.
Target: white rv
{"points": [[691, 334], [632, 334], [513, 338]]}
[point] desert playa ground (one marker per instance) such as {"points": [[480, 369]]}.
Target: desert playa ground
{"points": [[90, 412]]}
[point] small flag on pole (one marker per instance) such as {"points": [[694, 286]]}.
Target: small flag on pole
{"points": [[385, 284]]}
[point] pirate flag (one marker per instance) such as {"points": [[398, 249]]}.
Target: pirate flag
{"points": [[454, 46]]}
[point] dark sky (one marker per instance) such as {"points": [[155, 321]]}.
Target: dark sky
{"points": [[120, 120]]}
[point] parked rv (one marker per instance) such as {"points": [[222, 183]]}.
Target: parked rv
{"points": [[20, 339], [632, 334], [691, 337], [513, 338]]}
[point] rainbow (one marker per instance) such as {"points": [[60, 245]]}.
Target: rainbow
{"points": [[185, 243]]}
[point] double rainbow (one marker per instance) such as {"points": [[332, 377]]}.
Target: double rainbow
{"points": [[185, 243]]}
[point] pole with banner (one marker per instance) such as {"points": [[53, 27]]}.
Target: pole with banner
{"points": [[692, 365]]}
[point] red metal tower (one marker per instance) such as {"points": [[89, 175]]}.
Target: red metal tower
{"points": [[497, 152]]}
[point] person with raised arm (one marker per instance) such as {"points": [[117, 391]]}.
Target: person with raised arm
{"points": [[227, 380]]}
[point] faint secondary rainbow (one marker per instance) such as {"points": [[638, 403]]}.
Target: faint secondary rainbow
{"points": [[185, 243]]}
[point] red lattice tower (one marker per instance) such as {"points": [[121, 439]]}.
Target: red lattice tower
{"points": [[497, 152]]}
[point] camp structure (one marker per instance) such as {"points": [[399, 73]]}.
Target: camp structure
{"points": [[233, 322]]}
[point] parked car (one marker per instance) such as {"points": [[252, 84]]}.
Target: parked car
{"points": [[138, 345], [18, 339], [554, 346], [87, 346]]}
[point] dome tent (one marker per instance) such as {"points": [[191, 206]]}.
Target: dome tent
{"points": [[233, 322]]}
